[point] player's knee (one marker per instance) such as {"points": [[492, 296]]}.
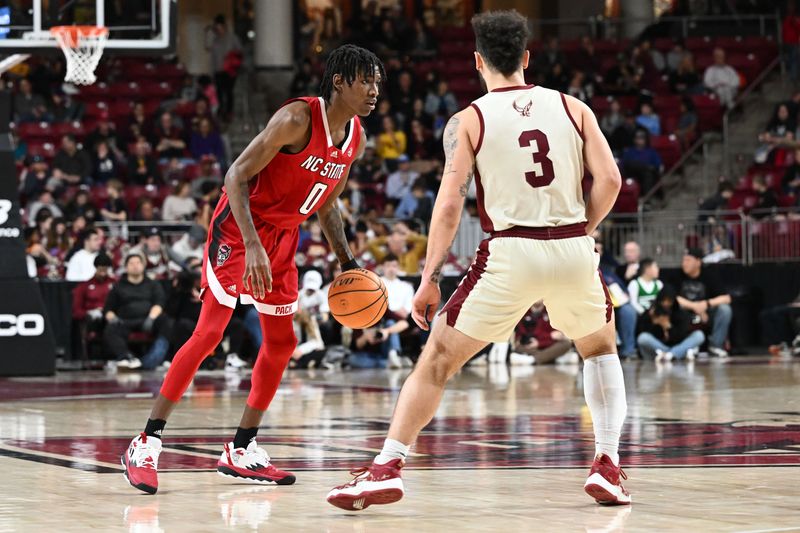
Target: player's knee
{"points": [[208, 337], [440, 364]]}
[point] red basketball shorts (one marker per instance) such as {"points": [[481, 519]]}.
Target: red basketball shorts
{"points": [[223, 264]]}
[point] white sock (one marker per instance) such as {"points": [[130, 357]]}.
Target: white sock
{"points": [[392, 449], [604, 390]]}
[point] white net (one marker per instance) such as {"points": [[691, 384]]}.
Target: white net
{"points": [[83, 48]]}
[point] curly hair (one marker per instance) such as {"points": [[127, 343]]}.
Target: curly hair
{"points": [[501, 37], [349, 61]]}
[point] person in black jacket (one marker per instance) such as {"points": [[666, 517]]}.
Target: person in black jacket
{"points": [[666, 332], [136, 303]]}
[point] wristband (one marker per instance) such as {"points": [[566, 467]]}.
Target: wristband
{"points": [[350, 265]]}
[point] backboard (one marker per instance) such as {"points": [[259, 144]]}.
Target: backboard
{"points": [[143, 27]]}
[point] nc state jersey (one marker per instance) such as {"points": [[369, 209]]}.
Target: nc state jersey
{"points": [[529, 160], [292, 187]]}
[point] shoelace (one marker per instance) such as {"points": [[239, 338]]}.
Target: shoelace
{"points": [[356, 473], [148, 461]]}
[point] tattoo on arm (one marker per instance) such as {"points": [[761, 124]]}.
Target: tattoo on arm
{"points": [[463, 189], [333, 227], [450, 142], [437, 270]]}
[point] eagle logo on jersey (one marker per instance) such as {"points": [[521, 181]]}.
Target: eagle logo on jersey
{"points": [[524, 111], [223, 253]]}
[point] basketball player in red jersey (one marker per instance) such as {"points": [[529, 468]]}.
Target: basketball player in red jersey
{"points": [[526, 147], [294, 168]]}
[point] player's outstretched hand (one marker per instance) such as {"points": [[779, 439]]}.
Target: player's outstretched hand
{"points": [[257, 279], [425, 303]]}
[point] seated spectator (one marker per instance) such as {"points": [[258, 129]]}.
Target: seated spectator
{"points": [[420, 44], [421, 145], [138, 124], [81, 206], [719, 201], [208, 177], [613, 119], [537, 342], [58, 240], [623, 135], [642, 162], [687, 122], [391, 142], [168, 138], [80, 266], [155, 254], [104, 163], [416, 203], [190, 246], [645, 288], [35, 177], [632, 254], [586, 58], [396, 320], [44, 201], [305, 81], [418, 113], [71, 165], [29, 106], [399, 182], [648, 120], [136, 304], [89, 297], [202, 111], [791, 178], [310, 349], [104, 131], [314, 247], [623, 310], [780, 129], [179, 205], [685, 80], [146, 211], [722, 79], [556, 78], [370, 167], [207, 141], [579, 88], [442, 101], [142, 167], [64, 107], [780, 328], [550, 55], [765, 198], [115, 209], [675, 57], [666, 332], [408, 246], [402, 96], [708, 305]]}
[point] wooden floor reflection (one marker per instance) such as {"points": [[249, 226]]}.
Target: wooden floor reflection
{"points": [[710, 447]]}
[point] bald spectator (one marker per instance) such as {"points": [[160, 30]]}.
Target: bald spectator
{"points": [[71, 165], [722, 79], [631, 253]]}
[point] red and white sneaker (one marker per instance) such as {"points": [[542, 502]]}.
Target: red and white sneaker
{"points": [[372, 485], [604, 483], [252, 464], [141, 463]]}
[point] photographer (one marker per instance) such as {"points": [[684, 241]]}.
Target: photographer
{"points": [[666, 332]]}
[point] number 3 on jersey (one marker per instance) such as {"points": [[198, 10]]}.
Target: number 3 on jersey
{"points": [[313, 197], [526, 138]]}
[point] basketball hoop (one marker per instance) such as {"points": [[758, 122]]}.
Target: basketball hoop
{"points": [[83, 47]]}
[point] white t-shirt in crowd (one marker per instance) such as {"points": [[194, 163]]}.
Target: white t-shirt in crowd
{"points": [[401, 293], [81, 266]]}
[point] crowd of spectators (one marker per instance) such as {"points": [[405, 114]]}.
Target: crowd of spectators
{"points": [[159, 160]]}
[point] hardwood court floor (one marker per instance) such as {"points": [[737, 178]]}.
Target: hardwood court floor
{"points": [[709, 447]]}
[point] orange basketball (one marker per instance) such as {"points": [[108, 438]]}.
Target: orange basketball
{"points": [[358, 298]]}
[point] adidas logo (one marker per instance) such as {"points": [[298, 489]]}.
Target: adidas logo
{"points": [[359, 503]]}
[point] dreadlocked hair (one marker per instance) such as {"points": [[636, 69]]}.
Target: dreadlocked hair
{"points": [[349, 61]]}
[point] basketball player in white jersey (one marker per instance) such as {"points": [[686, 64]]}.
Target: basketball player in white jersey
{"points": [[526, 147]]}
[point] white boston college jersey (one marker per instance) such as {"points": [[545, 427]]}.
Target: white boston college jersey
{"points": [[529, 160]]}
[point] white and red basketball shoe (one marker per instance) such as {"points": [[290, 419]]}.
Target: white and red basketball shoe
{"points": [[141, 463], [372, 485], [251, 464], [604, 483]]}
